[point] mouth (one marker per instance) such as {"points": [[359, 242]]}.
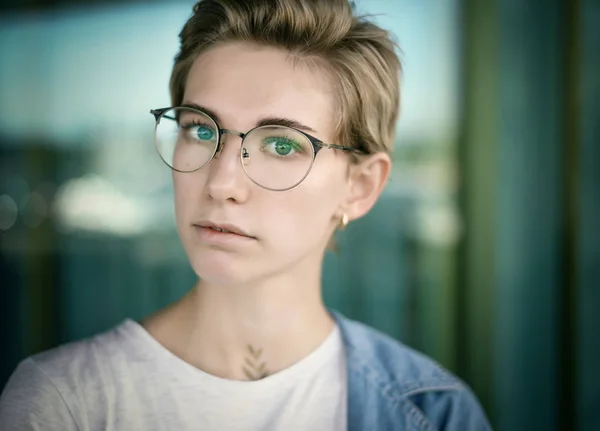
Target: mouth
{"points": [[223, 228]]}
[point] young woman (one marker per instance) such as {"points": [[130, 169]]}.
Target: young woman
{"points": [[283, 118]]}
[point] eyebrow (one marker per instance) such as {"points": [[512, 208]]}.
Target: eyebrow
{"points": [[266, 121]]}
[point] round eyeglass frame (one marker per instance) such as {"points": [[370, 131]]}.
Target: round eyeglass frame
{"points": [[317, 144]]}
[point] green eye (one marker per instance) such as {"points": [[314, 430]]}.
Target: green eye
{"points": [[205, 133], [199, 131], [282, 146]]}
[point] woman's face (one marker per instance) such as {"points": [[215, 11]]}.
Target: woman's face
{"points": [[243, 84]]}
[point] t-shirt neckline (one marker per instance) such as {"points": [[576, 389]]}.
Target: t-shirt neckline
{"points": [[151, 349]]}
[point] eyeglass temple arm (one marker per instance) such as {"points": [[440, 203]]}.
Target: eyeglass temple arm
{"points": [[158, 112], [340, 147]]}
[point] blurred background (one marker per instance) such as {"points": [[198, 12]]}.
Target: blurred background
{"points": [[483, 252]]}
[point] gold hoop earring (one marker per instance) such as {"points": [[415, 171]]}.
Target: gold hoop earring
{"points": [[343, 222]]}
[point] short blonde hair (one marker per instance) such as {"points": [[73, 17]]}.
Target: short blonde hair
{"points": [[359, 56]]}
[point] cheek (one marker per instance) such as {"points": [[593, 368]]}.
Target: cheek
{"points": [[305, 216], [186, 189]]}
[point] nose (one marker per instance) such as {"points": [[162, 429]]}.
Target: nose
{"points": [[226, 179]]}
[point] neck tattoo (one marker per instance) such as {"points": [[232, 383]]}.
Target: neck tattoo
{"points": [[254, 367]]}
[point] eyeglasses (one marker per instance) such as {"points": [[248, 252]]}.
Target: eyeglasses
{"points": [[274, 157]]}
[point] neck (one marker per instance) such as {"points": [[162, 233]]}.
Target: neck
{"points": [[232, 330]]}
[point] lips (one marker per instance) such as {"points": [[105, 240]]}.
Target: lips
{"points": [[223, 228]]}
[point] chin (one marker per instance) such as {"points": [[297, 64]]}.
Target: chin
{"points": [[217, 267]]}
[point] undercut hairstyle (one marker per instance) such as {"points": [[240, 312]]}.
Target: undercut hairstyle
{"points": [[359, 57]]}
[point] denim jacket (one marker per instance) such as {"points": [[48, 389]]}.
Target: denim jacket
{"points": [[391, 387]]}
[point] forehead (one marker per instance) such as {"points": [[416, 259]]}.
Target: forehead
{"points": [[243, 83]]}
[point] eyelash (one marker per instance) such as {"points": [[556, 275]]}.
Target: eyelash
{"points": [[194, 123]]}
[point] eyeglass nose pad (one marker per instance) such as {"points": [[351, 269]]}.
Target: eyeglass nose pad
{"points": [[245, 157], [220, 146]]}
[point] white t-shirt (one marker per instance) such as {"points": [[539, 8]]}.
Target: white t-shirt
{"points": [[124, 379]]}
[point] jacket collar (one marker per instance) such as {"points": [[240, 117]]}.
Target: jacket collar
{"points": [[355, 370]]}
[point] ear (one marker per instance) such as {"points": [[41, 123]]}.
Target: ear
{"points": [[366, 182]]}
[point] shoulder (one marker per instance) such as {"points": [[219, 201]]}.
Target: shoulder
{"points": [[390, 359], [53, 387], [400, 375], [82, 362]]}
